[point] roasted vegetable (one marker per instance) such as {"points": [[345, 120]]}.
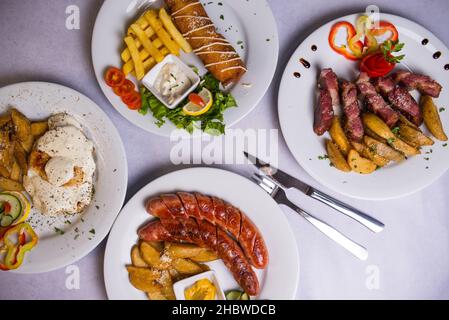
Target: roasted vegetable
{"points": [[379, 127], [413, 136], [383, 150], [339, 137], [359, 164], [368, 153], [336, 157], [136, 258], [10, 185], [39, 128], [432, 118], [22, 125]]}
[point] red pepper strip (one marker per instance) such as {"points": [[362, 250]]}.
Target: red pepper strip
{"points": [[16, 251], [385, 26], [350, 30]]}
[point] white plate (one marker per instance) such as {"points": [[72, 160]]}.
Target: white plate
{"points": [[297, 101], [39, 100], [278, 281], [251, 22]]}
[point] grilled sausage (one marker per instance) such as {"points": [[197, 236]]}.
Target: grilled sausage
{"points": [[205, 234], [217, 212]]}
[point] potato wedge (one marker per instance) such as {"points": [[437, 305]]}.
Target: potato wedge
{"points": [[27, 145], [166, 282], [159, 246], [4, 172], [136, 258], [152, 256], [366, 152], [336, 157], [205, 256], [414, 137], [404, 121], [359, 164], [143, 278], [182, 250], [383, 149], [21, 157], [5, 119], [379, 127], [339, 137], [16, 172], [10, 185], [39, 128], [187, 266], [22, 125], [432, 118], [372, 134], [156, 293]]}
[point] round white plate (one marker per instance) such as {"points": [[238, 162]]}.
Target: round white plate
{"points": [[278, 281], [256, 42], [297, 102], [81, 232]]}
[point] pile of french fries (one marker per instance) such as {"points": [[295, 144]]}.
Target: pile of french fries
{"points": [[17, 136], [156, 266], [148, 40], [381, 145]]}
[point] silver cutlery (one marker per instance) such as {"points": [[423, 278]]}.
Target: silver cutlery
{"points": [[291, 182], [277, 192]]}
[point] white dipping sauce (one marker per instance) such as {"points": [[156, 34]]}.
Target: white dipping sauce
{"points": [[171, 82], [68, 148]]}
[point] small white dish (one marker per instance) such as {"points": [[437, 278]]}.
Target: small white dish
{"points": [[150, 78], [180, 286]]}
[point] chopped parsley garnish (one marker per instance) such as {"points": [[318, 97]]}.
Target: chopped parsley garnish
{"points": [[389, 47], [92, 231], [220, 3], [395, 130], [172, 75], [445, 145], [391, 140], [442, 109], [57, 230], [324, 157], [222, 17]]}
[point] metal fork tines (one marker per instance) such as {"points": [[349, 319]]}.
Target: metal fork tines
{"points": [[277, 192]]}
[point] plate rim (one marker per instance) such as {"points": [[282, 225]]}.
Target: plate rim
{"points": [[256, 102], [198, 169], [302, 162], [99, 236]]}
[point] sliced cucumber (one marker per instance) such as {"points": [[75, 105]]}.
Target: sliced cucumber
{"points": [[6, 221], [233, 295], [244, 296], [16, 207]]}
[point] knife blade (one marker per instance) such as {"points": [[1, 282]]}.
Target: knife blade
{"points": [[280, 177]]}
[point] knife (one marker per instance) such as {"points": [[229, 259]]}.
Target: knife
{"points": [[290, 182]]}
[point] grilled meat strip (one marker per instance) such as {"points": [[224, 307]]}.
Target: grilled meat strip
{"points": [[424, 84], [375, 101], [352, 110], [185, 205], [400, 99], [205, 234], [328, 100]]}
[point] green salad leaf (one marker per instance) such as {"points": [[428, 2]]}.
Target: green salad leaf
{"points": [[211, 122]]}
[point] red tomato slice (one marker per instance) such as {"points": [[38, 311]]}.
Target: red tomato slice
{"points": [[126, 88], [114, 77], [196, 99], [133, 100], [376, 65]]}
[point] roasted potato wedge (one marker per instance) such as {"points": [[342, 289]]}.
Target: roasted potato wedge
{"points": [[336, 157], [404, 121], [16, 172], [432, 118], [366, 152], [339, 137], [156, 292], [372, 134], [159, 246], [182, 250], [4, 172], [136, 258], [383, 149], [414, 137], [205, 256], [359, 164], [10, 185], [22, 125], [151, 256], [379, 127], [5, 119], [143, 278], [39, 128], [167, 285], [187, 266], [21, 157], [27, 145]]}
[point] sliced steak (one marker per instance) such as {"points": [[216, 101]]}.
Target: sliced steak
{"points": [[351, 109], [323, 113], [424, 84]]}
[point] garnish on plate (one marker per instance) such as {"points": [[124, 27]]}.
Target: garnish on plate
{"points": [[381, 63]]}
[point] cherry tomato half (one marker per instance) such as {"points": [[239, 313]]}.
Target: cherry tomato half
{"points": [[114, 77], [196, 99], [133, 100], [126, 88]]}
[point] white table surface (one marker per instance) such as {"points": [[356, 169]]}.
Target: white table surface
{"points": [[410, 256]]}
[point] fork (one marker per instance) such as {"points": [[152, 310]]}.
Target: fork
{"points": [[140, 5], [277, 192]]}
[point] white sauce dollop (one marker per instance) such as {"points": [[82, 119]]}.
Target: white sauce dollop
{"points": [[171, 82]]}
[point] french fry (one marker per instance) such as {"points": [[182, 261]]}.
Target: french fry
{"points": [[126, 55], [138, 65], [128, 67], [156, 24], [174, 32], [146, 43]]}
